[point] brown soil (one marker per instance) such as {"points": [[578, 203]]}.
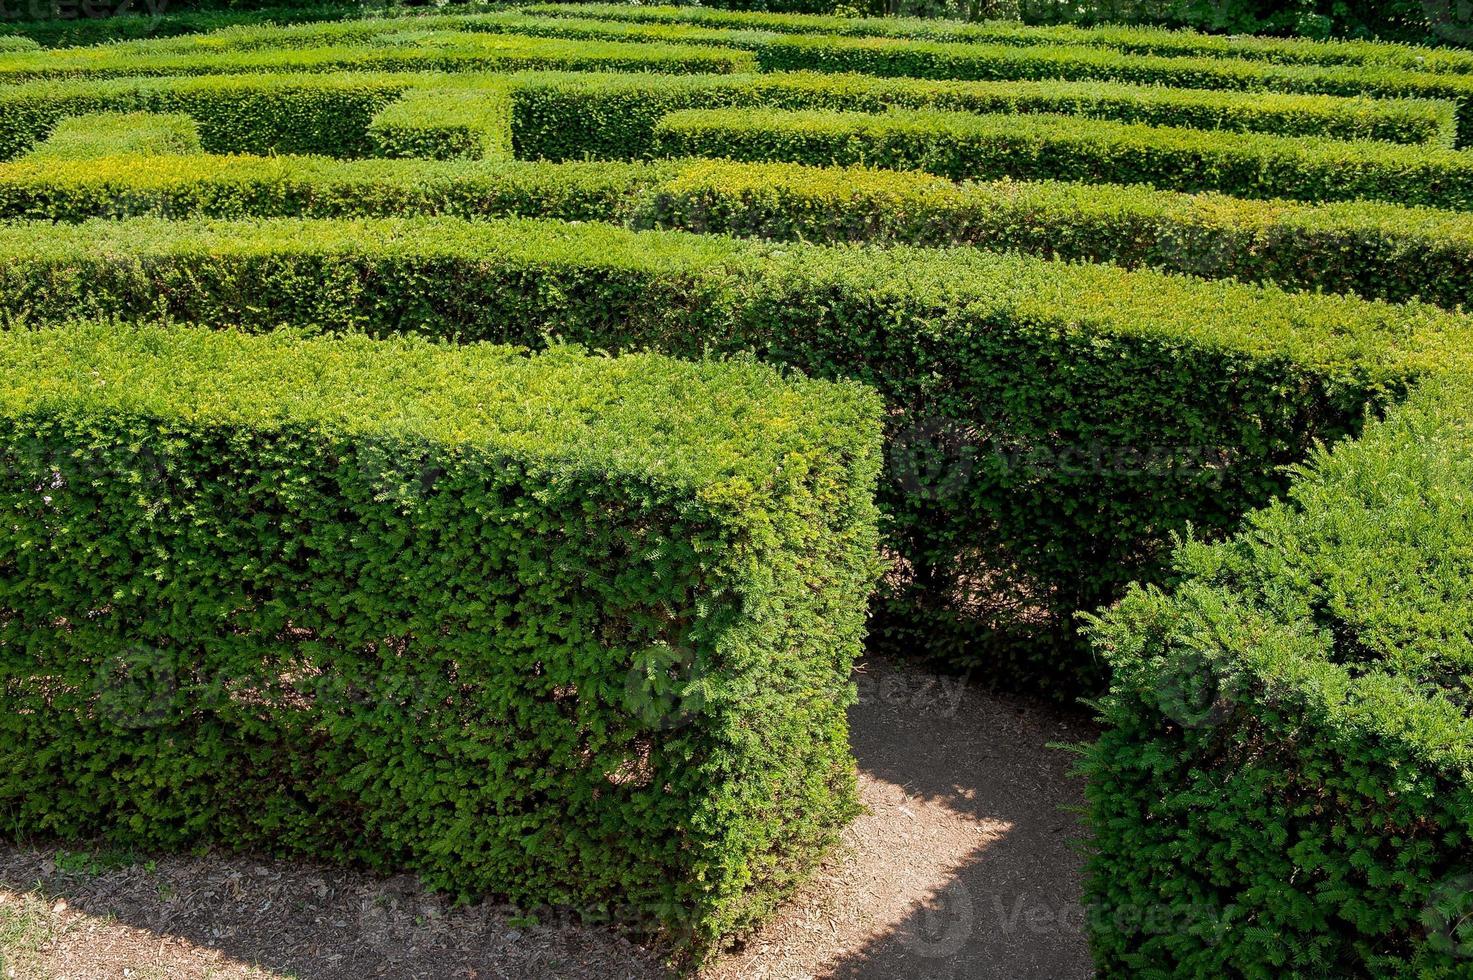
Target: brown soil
{"points": [[964, 868]]}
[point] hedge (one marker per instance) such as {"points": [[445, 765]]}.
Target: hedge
{"points": [[104, 134], [1050, 425], [1282, 785], [561, 116], [961, 146], [1379, 251], [446, 121], [1127, 40], [408, 50], [917, 59], [264, 114], [566, 629]]}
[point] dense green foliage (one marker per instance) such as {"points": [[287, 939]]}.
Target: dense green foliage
{"points": [[919, 59], [1283, 782], [446, 122], [1126, 39], [563, 628], [1050, 425], [570, 116], [103, 134], [961, 146], [1379, 251]]}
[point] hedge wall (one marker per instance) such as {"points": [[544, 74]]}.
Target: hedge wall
{"points": [[451, 51], [446, 122], [1282, 787], [327, 114], [887, 57], [961, 145], [104, 134], [1049, 425], [1128, 40], [1379, 251], [608, 115], [568, 629]]}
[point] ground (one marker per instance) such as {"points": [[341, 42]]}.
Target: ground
{"points": [[965, 867]]}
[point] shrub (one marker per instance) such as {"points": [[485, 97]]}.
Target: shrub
{"points": [[446, 122], [572, 116], [408, 50], [960, 146], [1380, 251], [569, 629], [1050, 425], [105, 134], [236, 113], [1282, 787], [887, 57], [1115, 37]]}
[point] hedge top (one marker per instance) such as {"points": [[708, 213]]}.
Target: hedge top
{"points": [[1353, 597], [727, 428], [102, 134]]}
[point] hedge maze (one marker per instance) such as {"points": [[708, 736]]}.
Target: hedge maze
{"points": [[480, 444]]}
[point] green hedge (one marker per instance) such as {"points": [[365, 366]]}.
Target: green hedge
{"points": [[961, 146], [1049, 425], [566, 629], [327, 114], [1282, 787], [106, 134], [917, 59], [445, 122], [408, 50], [563, 117], [1380, 251], [1128, 40]]}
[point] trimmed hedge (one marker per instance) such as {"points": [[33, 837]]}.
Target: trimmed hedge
{"points": [[105, 134], [407, 50], [563, 117], [961, 145], [1379, 251], [917, 59], [446, 122], [1128, 40], [1050, 425], [1282, 787], [567, 629], [327, 114]]}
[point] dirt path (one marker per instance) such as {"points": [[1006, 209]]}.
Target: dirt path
{"points": [[963, 869]]}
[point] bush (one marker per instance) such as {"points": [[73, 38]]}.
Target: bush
{"points": [[891, 57], [1282, 785], [446, 122], [409, 49], [960, 146], [106, 134], [1379, 251], [240, 113], [1114, 37], [1049, 425], [569, 629], [564, 117]]}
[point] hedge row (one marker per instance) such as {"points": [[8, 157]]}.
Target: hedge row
{"points": [[1283, 785], [409, 50], [325, 113], [964, 146], [1380, 251], [568, 629], [446, 121], [918, 59], [1128, 40], [1049, 425], [563, 116], [105, 134]]}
